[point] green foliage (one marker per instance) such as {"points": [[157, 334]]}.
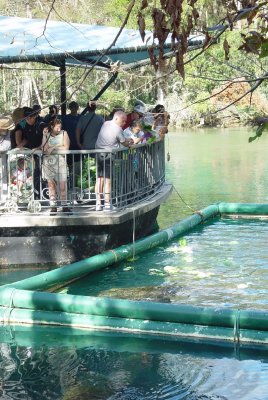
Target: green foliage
{"points": [[212, 64], [116, 98], [202, 107], [264, 49], [204, 75], [115, 12]]}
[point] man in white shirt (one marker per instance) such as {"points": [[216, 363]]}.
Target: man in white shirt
{"points": [[110, 136]]}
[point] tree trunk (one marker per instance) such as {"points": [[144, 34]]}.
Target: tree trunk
{"points": [[26, 95], [4, 87], [37, 92]]}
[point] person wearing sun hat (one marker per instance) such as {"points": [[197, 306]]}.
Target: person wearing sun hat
{"points": [[6, 124], [137, 113]]}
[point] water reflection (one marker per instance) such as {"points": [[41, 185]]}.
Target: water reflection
{"points": [[108, 366]]}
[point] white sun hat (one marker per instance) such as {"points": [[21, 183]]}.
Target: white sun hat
{"points": [[139, 109], [6, 122]]}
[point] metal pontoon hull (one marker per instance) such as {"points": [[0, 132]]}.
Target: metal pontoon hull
{"points": [[61, 239]]}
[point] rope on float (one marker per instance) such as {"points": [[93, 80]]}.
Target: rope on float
{"points": [[237, 327], [7, 314]]}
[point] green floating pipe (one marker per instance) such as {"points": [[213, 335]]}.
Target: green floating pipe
{"points": [[78, 269], [104, 306], [243, 208], [159, 328]]}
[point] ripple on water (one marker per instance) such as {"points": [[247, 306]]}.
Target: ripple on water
{"points": [[193, 372]]}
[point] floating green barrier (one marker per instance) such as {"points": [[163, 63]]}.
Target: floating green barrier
{"points": [[23, 302], [68, 273]]}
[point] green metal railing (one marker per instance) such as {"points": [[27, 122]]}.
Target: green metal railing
{"points": [[134, 174]]}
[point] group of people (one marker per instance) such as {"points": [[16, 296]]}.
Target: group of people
{"points": [[75, 131]]}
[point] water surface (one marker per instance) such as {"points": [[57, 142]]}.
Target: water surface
{"points": [[212, 165], [222, 263]]}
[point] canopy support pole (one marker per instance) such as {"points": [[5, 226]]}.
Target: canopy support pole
{"points": [[103, 89], [63, 97], [107, 84]]}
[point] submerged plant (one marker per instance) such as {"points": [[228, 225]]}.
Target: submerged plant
{"points": [[182, 242], [79, 392]]}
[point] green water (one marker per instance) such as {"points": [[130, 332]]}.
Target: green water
{"points": [[212, 266], [8, 276], [207, 166], [223, 263]]}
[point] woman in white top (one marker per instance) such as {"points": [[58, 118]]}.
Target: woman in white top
{"points": [[161, 121], [55, 168], [134, 132]]}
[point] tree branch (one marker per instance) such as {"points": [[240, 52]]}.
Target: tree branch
{"points": [[251, 90]]}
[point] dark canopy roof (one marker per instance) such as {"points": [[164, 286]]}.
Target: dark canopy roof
{"points": [[55, 42]]}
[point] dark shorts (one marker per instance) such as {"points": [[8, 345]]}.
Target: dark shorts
{"points": [[104, 165]]}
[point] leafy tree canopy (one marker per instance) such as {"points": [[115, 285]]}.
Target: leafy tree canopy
{"points": [[235, 46]]}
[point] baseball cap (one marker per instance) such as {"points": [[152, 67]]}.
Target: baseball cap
{"points": [[29, 112]]}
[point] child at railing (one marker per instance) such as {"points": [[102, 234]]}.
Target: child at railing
{"points": [[23, 175], [134, 132]]}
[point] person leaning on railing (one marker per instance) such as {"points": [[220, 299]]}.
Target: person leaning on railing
{"points": [[110, 136], [137, 113], [134, 132], [161, 121], [29, 131]]}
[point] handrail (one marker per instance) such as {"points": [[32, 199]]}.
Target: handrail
{"points": [[119, 178]]}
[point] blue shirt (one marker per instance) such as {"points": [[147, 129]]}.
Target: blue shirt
{"points": [[69, 124]]}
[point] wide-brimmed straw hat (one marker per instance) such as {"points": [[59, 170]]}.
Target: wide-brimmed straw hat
{"points": [[6, 122]]}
